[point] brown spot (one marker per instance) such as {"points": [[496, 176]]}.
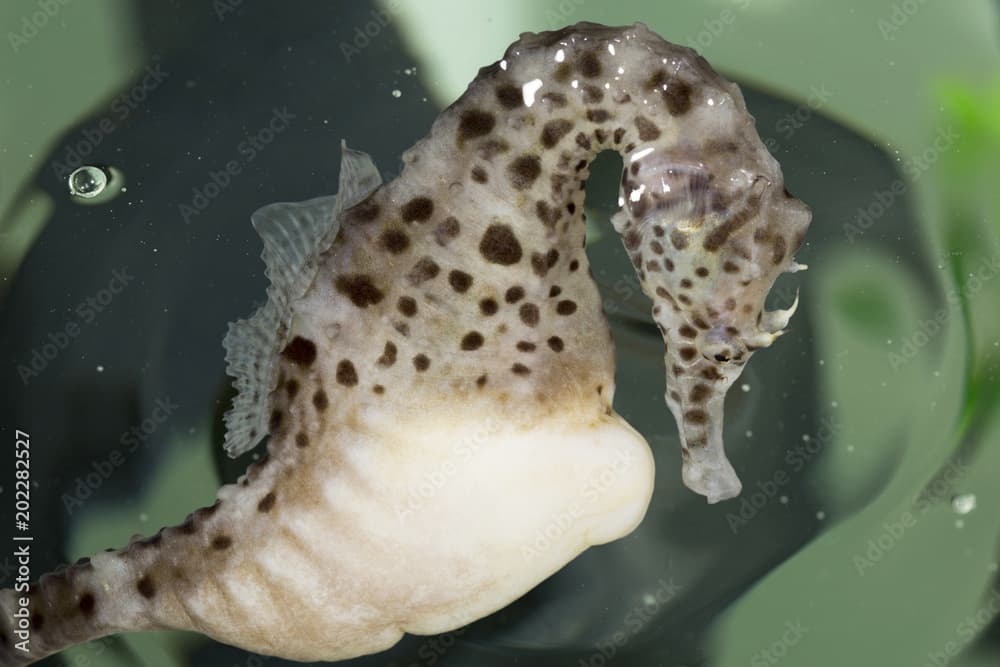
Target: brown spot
{"points": [[556, 344], [555, 291], [479, 175], [292, 388], [598, 116], [592, 94], [499, 245], [525, 346], [679, 239], [701, 272], [360, 289], [699, 393], [347, 375], [696, 416], [686, 283], [146, 587], [547, 214], [378, 389], [425, 269], [418, 209], [301, 440], [87, 604], [481, 381], [778, 249], [589, 64], [554, 130], [388, 357], [407, 305], [37, 621], [460, 281], [488, 307], [676, 92], [520, 369], [300, 351], [275, 423], [421, 362], [447, 231], [510, 97], [266, 503], [688, 353], [222, 542], [563, 72], [556, 100], [524, 170], [320, 401], [529, 314], [711, 373], [394, 241], [474, 123], [730, 267], [574, 265], [514, 294], [365, 211], [687, 331], [566, 307], [648, 131], [472, 341], [583, 142], [539, 265], [685, 299]]}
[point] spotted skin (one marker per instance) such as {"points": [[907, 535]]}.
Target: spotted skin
{"points": [[456, 306]]}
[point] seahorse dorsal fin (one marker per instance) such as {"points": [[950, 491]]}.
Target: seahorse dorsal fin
{"points": [[294, 234]]}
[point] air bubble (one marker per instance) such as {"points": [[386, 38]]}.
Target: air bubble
{"points": [[964, 503], [88, 182]]}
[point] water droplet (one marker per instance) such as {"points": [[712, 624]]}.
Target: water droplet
{"points": [[963, 504], [87, 182], [397, 93]]}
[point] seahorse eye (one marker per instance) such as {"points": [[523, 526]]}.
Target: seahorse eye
{"points": [[722, 346]]}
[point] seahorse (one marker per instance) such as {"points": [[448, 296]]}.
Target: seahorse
{"points": [[434, 372]]}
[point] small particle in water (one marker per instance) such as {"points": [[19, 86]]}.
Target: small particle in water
{"points": [[959, 523], [850, 448], [805, 437], [143, 517], [397, 92], [963, 504], [993, 567], [100, 369], [87, 182], [745, 388], [749, 434], [649, 600], [783, 500], [410, 71], [820, 515], [834, 404]]}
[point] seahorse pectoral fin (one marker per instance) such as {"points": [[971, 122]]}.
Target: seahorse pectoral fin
{"points": [[294, 234]]}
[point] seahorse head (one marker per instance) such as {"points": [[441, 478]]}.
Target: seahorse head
{"points": [[709, 227]]}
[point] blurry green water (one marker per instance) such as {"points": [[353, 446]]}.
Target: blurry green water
{"points": [[861, 436]]}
